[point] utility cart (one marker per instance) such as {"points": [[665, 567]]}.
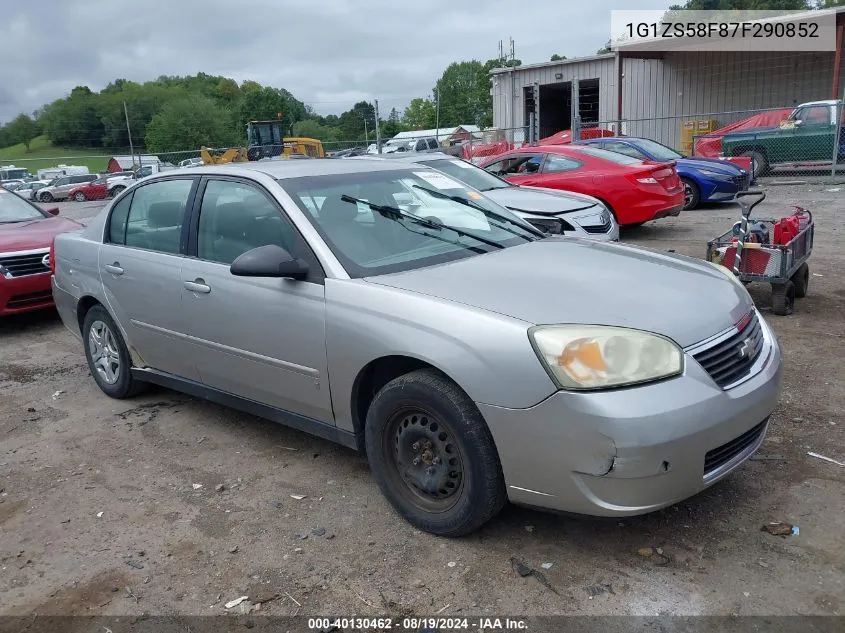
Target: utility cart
{"points": [[769, 251]]}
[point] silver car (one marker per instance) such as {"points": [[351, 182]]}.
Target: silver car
{"points": [[59, 188], [472, 359], [553, 212]]}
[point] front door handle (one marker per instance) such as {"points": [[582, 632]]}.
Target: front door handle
{"points": [[198, 285], [114, 269]]}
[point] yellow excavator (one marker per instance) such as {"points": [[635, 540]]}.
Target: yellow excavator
{"points": [[264, 140]]}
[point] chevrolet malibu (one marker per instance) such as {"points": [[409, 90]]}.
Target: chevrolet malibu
{"points": [[474, 360]]}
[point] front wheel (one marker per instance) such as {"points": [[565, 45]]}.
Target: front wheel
{"points": [[692, 196], [79, 196], [116, 190], [432, 455], [107, 355], [45, 197]]}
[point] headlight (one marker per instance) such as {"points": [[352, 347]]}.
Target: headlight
{"points": [[551, 226], [583, 357]]}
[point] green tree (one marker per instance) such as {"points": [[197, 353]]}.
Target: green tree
{"points": [[22, 129], [74, 121], [393, 125], [557, 58], [420, 114], [352, 122], [265, 103], [744, 5], [190, 123], [605, 49], [461, 94]]}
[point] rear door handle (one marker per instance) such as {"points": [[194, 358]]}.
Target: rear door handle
{"points": [[114, 269], [197, 286]]}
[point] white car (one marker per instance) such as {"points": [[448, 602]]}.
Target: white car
{"points": [[27, 190]]}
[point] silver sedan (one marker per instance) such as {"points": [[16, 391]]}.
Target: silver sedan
{"points": [[474, 360]]}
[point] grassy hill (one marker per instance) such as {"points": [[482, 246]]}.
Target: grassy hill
{"points": [[42, 154]]}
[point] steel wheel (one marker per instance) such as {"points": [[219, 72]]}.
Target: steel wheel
{"points": [[425, 458], [104, 352]]}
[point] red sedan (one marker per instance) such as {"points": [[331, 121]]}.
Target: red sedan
{"points": [[635, 191], [26, 236], [94, 190]]}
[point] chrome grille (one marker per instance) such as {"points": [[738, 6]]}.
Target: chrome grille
{"points": [[731, 359], [31, 263], [604, 227]]}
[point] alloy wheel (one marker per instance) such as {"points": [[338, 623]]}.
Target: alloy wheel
{"points": [[104, 352]]}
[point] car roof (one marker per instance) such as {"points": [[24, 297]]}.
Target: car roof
{"points": [[282, 169], [409, 157]]}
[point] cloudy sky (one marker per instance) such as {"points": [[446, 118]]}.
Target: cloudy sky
{"points": [[328, 53]]}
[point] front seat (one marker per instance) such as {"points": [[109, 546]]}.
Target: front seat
{"points": [[339, 221]]}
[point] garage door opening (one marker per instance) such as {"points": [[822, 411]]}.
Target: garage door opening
{"points": [[556, 105]]}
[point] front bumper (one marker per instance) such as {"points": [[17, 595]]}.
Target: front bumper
{"points": [[634, 450], [25, 294]]}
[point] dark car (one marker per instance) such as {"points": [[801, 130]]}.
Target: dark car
{"points": [[705, 179]]}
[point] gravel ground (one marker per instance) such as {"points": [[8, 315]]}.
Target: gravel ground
{"points": [[189, 505]]}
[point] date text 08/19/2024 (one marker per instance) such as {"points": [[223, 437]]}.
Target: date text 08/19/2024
{"points": [[417, 624]]}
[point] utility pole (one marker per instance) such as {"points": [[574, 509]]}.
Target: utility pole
{"points": [[437, 116], [378, 132], [366, 134], [129, 134]]}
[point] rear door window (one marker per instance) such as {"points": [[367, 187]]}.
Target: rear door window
{"points": [[156, 214]]}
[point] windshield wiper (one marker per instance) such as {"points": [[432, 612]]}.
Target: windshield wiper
{"points": [[488, 214], [394, 213]]}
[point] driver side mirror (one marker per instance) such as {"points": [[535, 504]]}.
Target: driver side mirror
{"points": [[269, 261], [52, 210]]}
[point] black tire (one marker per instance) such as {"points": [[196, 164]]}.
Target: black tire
{"points": [[783, 298], [424, 420], [692, 196], [801, 280], [115, 191], [124, 384], [759, 162], [79, 197], [45, 197]]}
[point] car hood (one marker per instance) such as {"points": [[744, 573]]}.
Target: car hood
{"points": [[22, 236], [713, 164], [570, 280], [542, 201]]}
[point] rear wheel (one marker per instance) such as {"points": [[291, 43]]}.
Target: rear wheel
{"points": [[432, 455], [107, 355], [79, 197], [783, 298], [759, 162], [692, 196], [801, 280]]}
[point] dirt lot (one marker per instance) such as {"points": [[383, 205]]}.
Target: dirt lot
{"points": [[101, 495]]}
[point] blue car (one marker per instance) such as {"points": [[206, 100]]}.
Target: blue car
{"points": [[705, 179]]}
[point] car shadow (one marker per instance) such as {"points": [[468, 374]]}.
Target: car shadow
{"points": [[28, 321]]}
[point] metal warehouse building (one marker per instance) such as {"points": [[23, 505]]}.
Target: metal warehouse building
{"points": [[654, 93]]}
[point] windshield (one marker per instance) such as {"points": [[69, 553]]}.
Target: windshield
{"points": [[613, 157], [658, 150], [468, 173], [369, 243], [14, 209]]}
